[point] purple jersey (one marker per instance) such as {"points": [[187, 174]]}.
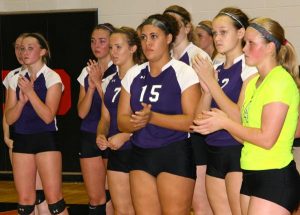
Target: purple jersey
{"points": [[231, 81], [164, 94], [189, 53], [111, 100], [29, 122], [90, 122]]}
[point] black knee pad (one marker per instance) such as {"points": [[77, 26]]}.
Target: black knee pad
{"points": [[97, 210], [107, 194], [58, 207], [25, 209], [40, 196]]}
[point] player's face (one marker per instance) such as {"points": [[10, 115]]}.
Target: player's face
{"points": [[226, 37], [31, 51], [204, 39], [120, 51], [155, 42], [255, 48], [100, 43], [18, 44]]}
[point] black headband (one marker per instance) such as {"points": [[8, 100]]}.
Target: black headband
{"points": [[180, 14], [267, 35], [206, 28]]}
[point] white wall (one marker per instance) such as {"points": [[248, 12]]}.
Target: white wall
{"points": [[132, 12]]}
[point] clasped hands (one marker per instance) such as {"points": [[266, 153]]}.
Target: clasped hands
{"points": [[205, 71], [209, 121], [95, 73], [26, 87], [139, 120]]}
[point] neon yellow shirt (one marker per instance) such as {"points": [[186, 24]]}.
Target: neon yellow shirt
{"points": [[278, 86]]}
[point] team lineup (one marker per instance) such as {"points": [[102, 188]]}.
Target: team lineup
{"points": [[175, 119]]}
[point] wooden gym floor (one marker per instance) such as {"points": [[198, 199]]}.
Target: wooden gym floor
{"points": [[74, 195]]}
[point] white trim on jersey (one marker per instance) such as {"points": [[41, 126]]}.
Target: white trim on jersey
{"points": [[108, 78], [131, 74], [247, 71], [82, 76], [84, 73], [51, 77], [9, 76], [13, 81], [185, 74], [106, 81], [192, 51]]}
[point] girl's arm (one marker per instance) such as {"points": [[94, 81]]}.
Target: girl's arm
{"points": [[103, 128], [129, 122], [206, 72], [125, 113], [85, 101], [6, 134], [96, 73], [273, 117], [13, 107], [182, 122]]}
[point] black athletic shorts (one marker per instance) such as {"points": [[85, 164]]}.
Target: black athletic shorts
{"points": [[281, 186], [119, 160], [175, 158], [88, 146], [296, 142], [222, 160], [199, 147], [36, 143]]}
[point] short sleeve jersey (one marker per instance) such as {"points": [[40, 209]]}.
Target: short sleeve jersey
{"points": [[277, 86], [190, 51], [10, 75], [164, 93], [90, 122], [29, 122], [231, 81], [112, 89]]}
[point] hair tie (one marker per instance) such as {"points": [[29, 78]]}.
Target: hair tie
{"points": [[285, 41]]}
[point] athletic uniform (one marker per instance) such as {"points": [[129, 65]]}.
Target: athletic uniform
{"points": [[223, 150], [6, 85], [118, 160], [190, 52], [198, 143], [10, 75], [89, 124], [271, 173], [157, 149], [32, 134]]}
